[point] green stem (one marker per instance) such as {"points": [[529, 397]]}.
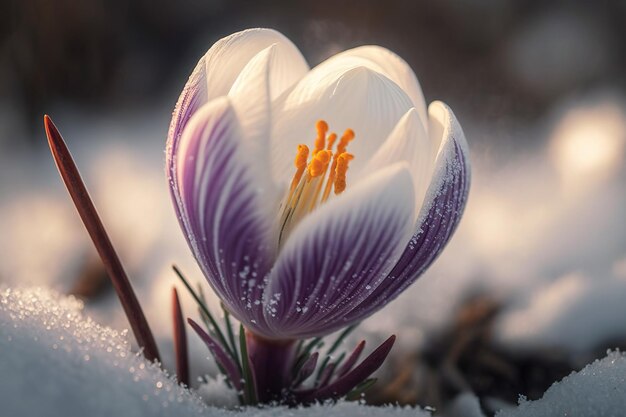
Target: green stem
{"points": [[249, 387]]}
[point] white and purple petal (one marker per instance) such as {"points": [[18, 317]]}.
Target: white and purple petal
{"points": [[193, 97], [221, 208], [339, 254], [224, 61], [439, 216]]}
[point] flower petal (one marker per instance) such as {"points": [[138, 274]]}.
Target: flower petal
{"points": [[191, 99], [250, 96], [223, 63], [358, 98], [392, 66], [221, 208], [338, 254], [439, 215], [408, 142], [228, 56]]}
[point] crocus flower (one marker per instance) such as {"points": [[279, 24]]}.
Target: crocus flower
{"points": [[311, 198]]}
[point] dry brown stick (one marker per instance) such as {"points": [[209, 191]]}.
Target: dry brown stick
{"points": [[180, 340], [93, 224]]}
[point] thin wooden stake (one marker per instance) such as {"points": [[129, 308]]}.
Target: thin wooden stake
{"points": [[93, 224]]}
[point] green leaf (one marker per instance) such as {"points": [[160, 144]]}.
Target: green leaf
{"points": [[341, 338], [249, 388], [229, 331], [320, 371], [358, 391], [316, 342]]}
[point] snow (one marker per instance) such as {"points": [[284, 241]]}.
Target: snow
{"points": [[56, 362], [598, 390], [215, 392], [347, 409], [576, 313], [465, 405], [70, 365]]}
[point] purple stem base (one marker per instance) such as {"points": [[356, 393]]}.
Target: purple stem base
{"points": [[271, 362]]}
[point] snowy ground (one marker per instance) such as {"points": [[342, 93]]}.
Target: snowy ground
{"points": [[56, 362], [543, 234], [597, 390]]}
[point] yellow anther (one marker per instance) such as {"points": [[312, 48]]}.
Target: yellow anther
{"points": [[319, 163], [313, 181], [331, 141], [300, 162], [301, 156], [325, 156], [320, 141], [347, 137], [340, 171], [322, 127]]}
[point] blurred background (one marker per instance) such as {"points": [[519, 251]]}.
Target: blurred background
{"points": [[532, 286]]}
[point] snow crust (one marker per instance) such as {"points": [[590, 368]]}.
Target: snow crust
{"points": [[465, 405], [565, 314], [598, 390], [56, 362]]}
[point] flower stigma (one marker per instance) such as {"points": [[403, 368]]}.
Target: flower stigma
{"points": [[314, 179]]}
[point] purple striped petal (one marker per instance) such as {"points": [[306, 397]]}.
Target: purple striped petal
{"points": [[193, 97], [223, 63], [437, 221], [337, 254], [220, 205]]}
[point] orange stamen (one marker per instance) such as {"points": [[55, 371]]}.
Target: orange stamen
{"points": [[320, 141], [310, 178], [319, 163], [340, 171], [347, 137], [300, 162], [331, 141]]}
